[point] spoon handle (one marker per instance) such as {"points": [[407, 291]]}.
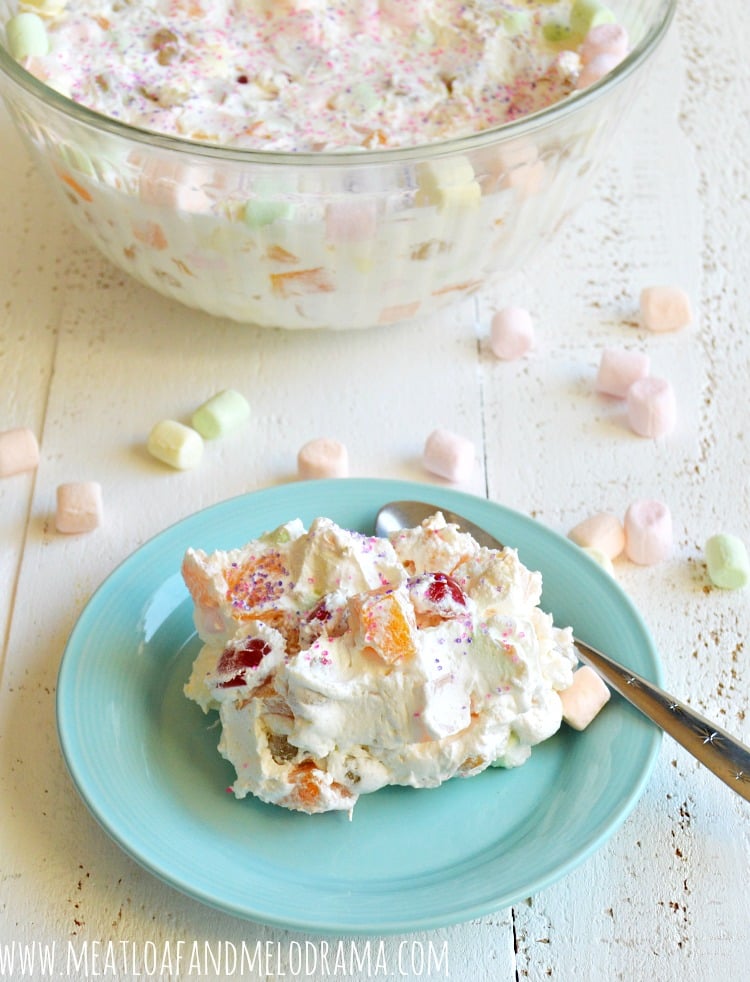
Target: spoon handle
{"points": [[718, 750]]}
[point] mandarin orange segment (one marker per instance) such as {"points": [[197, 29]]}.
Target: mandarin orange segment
{"points": [[256, 584], [298, 283], [383, 624]]}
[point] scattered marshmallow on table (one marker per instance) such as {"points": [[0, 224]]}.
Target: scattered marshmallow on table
{"points": [[19, 451], [511, 333], [602, 531], [220, 414], [449, 455], [727, 561], [665, 308], [175, 444], [323, 457], [619, 368], [648, 532], [651, 407], [584, 698], [79, 507]]}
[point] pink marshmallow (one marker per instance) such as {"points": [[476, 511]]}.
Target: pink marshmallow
{"points": [[584, 698], [619, 368], [604, 39], [665, 308], [602, 531], [511, 333], [449, 455], [323, 457], [648, 532], [599, 66], [19, 451], [652, 407], [79, 507]]}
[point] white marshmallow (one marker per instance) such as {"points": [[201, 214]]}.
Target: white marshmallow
{"points": [[19, 451], [79, 507], [648, 532], [619, 368], [652, 407], [323, 457], [602, 531], [511, 333], [583, 700], [449, 455]]}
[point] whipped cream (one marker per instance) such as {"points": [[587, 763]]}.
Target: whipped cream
{"points": [[310, 75], [341, 663]]}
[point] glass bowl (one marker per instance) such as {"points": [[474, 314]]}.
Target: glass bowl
{"points": [[345, 239]]}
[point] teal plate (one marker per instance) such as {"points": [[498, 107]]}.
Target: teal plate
{"points": [[145, 762]]}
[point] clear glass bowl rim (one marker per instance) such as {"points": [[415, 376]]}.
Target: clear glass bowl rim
{"points": [[507, 131]]}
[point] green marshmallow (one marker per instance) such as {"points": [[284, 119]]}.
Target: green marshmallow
{"points": [[221, 414], [727, 561], [27, 36], [586, 14], [516, 22], [556, 31]]}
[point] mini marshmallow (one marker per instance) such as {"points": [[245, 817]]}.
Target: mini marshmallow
{"points": [[27, 36], [601, 558], [449, 455], [602, 531], [619, 368], [175, 444], [19, 451], [727, 561], [220, 414], [648, 532], [665, 308], [448, 183], [587, 14], [599, 66], [584, 698], [651, 407], [604, 39], [79, 507], [511, 333], [323, 457]]}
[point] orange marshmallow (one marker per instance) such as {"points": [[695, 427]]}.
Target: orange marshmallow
{"points": [[79, 507], [19, 451], [323, 457], [584, 698], [665, 308], [602, 531]]}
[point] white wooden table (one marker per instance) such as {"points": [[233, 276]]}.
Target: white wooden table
{"points": [[90, 360]]}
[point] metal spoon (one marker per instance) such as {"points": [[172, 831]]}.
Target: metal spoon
{"points": [[721, 753]]}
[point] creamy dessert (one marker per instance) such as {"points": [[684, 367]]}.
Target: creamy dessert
{"points": [[341, 663], [364, 240], [310, 75]]}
